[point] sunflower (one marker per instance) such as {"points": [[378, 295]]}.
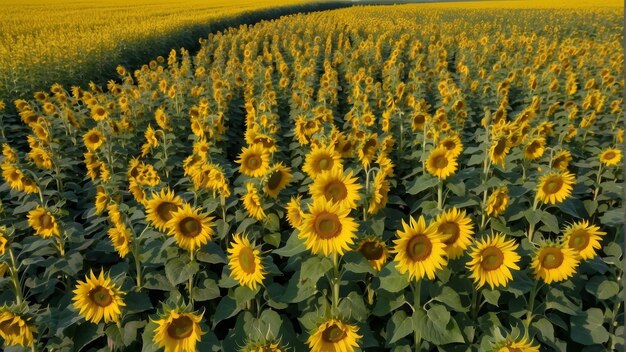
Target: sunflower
{"points": [[115, 216], [15, 329], [611, 156], [368, 149], [120, 237], [16, 179], [263, 347], [98, 298], [457, 230], [535, 148], [178, 331], [440, 163], [554, 263], [254, 161], [334, 336], [9, 153], [380, 193], [93, 139], [453, 145], [554, 187], [492, 260], [321, 159], [41, 157], [190, 227], [161, 206], [252, 202], [102, 200], [336, 187], [498, 150], [561, 160], [294, 212], [498, 201], [245, 262], [4, 242], [327, 228], [98, 113], [375, 251], [512, 344], [420, 250], [277, 179], [43, 222], [583, 238]]}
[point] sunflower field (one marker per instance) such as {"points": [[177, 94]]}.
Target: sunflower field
{"points": [[379, 178]]}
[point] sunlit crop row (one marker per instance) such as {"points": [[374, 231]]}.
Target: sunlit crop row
{"points": [[399, 177]]}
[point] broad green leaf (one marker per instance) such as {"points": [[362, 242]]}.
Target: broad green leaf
{"points": [[399, 326], [391, 280], [587, 328], [179, 270]]}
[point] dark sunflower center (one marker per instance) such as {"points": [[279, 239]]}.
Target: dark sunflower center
{"points": [[246, 260], [514, 349], [609, 155], [180, 328], [100, 112], [440, 161], [14, 175], [451, 230], [492, 258], [551, 258], [579, 239], [327, 225], [553, 185], [94, 138], [369, 145], [499, 201], [371, 250], [46, 221], [253, 162], [267, 143], [500, 147], [100, 296], [419, 120], [419, 248], [9, 328], [449, 145], [274, 180], [190, 227], [325, 163], [336, 191], [333, 334], [165, 210]]}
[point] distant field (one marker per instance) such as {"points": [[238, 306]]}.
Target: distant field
{"points": [[74, 41]]}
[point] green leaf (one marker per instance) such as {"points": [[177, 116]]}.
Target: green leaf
{"points": [[136, 302], [354, 304], [179, 270], [272, 223], [429, 331], [313, 269], [399, 326], [491, 296], [613, 217], [449, 297], [205, 290], [439, 316], [602, 287], [533, 216], [355, 262], [244, 294], [456, 188], [574, 207], [546, 330], [551, 222], [421, 183], [272, 239], [293, 246], [225, 309], [587, 328], [391, 280]]}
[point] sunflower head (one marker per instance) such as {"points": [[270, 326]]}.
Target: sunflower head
{"points": [[15, 328], [554, 262], [375, 251], [583, 238], [327, 228], [161, 207], [190, 227], [320, 159], [441, 163], [380, 193], [277, 179], [498, 150], [498, 201], [336, 187], [93, 139], [492, 260], [535, 148], [120, 238], [244, 261], [334, 335], [252, 202], [419, 249], [555, 187], [294, 212], [456, 228], [263, 346], [611, 156], [453, 145], [254, 161], [561, 160], [98, 298], [4, 241], [178, 330], [43, 222], [513, 343]]}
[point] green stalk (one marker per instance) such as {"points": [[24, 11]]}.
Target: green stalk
{"points": [[417, 287], [335, 299], [440, 195], [531, 305], [19, 297], [190, 283]]}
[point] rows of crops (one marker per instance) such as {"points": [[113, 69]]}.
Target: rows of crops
{"points": [[48, 41], [374, 178]]}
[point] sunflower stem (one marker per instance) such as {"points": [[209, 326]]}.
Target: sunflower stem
{"points": [[531, 304], [16, 281], [190, 283], [440, 195], [335, 301], [531, 229], [370, 291], [417, 287], [476, 296], [598, 180]]}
